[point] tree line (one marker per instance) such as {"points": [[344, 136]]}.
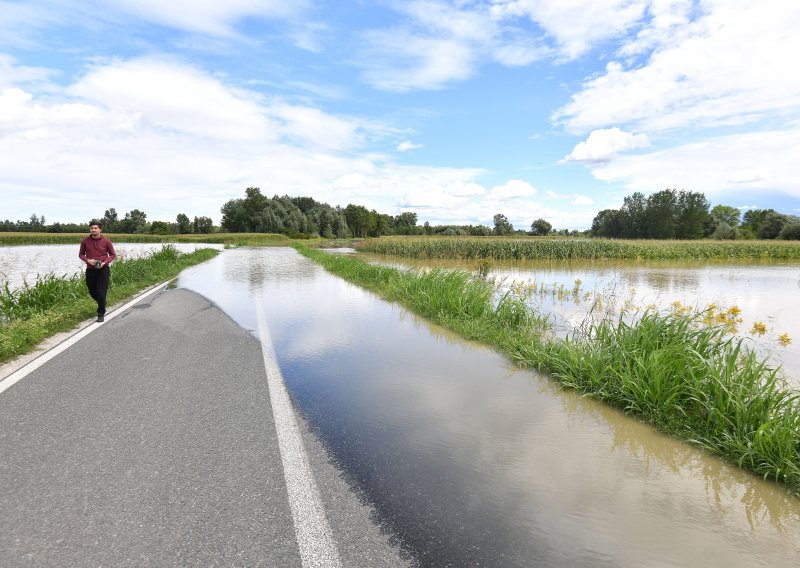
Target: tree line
{"points": [[671, 214], [134, 221], [667, 214]]}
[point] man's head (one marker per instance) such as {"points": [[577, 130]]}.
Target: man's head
{"points": [[96, 227]]}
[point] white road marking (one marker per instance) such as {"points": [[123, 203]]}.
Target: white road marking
{"points": [[314, 537], [21, 373]]}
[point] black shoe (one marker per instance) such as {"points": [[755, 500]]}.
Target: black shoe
{"points": [[101, 318]]}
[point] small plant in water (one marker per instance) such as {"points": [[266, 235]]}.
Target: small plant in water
{"points": [[482, 270]]}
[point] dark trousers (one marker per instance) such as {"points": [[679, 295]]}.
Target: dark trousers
{"points": [[97, 283]]}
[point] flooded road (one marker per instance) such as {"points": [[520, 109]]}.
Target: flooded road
{"points": [[471, 462]]}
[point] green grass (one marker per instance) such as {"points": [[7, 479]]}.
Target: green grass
{"points": [[237, 239], [672, 370], [53, 304], [503, 248]]}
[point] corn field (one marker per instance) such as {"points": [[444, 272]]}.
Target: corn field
{"points": [[499, 248]]}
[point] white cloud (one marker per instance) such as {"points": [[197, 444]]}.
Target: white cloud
{"points": [[576, 26], [731, 66], [133, 134], [206, 16], [582, 200], [398, 60], [739, 164], [604, 144], [12, 73], [408, 145], [512, 189]]}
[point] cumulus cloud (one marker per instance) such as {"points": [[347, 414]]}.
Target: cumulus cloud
{"points": [[604, 144], [575, 26], [728, 67], [407, 145], [133, 134], [736, 164]]}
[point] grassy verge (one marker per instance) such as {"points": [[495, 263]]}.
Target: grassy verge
{"points": [[502, 248], [687, 378], [237, 239], [54, 304]]}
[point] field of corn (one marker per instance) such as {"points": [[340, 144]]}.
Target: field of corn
{"points": [[57, 303], [678, 370], [238, 239], [502, 248]]}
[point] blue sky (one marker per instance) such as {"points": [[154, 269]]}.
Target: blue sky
{"points": [[456, 110]]}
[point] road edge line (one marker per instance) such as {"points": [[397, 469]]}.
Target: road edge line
{"points": [[31, 366], [312, 531]]}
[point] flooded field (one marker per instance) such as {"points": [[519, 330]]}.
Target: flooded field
{"points": [[764, 292], [471, 462], [19, 264]]}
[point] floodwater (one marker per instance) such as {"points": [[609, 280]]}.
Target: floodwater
{"points": [[765, 292], [472, 462], [21, 264]]}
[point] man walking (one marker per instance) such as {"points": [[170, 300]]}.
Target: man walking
{"points": [[97, 252]]}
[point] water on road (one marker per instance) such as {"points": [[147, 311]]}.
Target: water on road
{"points": [[472, 462]]}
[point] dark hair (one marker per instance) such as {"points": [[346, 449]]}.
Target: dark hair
{"points": [[96, 222]]}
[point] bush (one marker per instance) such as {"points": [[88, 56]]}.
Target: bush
{"points": [[724, 232], [790, 232]]}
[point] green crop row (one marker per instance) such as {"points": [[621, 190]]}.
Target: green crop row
{"points": [[501, 248]]}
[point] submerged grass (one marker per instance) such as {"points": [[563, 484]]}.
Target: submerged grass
{"points": [[671, 369], [507, 248], [58, 303]]}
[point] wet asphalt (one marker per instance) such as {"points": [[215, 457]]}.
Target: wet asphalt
{"points": [[151, 442]]}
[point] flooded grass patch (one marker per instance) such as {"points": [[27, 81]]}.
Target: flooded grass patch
{"points": [[503, 248], [684, 375], [57, 303]]}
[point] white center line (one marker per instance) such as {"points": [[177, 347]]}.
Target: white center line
{"points": [[314, 537]]}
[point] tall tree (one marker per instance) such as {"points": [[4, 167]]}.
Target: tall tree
{"points": [[609, 223], [502, 226], [633, 214], [110, 220], [540, 227], [691, 215], [203, 225], [184, 224], [726, 214]]}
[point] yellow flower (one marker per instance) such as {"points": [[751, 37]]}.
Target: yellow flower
{"points": [[784, 339], [759, 328], [734, 311]]}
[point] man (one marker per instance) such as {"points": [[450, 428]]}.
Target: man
{"points": [[97, 252]]}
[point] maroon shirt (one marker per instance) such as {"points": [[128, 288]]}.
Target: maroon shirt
{"points": [[97, 249]]}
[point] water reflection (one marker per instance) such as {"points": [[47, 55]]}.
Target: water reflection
{"points": [[472, 462]]}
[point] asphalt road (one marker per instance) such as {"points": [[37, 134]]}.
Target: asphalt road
{"points": [[152, 442]]}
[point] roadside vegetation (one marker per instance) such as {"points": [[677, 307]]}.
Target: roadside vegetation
{"points": [[54, 303], [509, 248], [679, 371]]}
